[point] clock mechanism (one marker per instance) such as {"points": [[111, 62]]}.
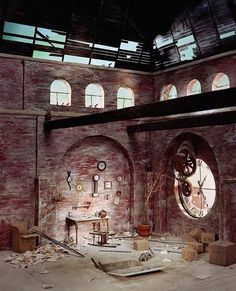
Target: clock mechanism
{"points": [[194, 183], [184, 161]]}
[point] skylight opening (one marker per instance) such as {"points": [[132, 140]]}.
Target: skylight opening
{"points": [[46, 56], [105, 63], [227, 34], [17, 39], [106, 47], [50, 38], [76, 59], [188, 52], [52, 34], [12, 30], [161, 41], [83, 43], [20, 29], [185, 40], [129, 45]]}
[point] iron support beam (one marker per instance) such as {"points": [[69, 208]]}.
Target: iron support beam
{"points": [[194, 103], [210, 119]]}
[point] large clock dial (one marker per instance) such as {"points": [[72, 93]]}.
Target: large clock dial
{"points": [[196, 194]]}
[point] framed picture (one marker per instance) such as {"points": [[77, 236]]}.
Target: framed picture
{"points": [[107, 185]]}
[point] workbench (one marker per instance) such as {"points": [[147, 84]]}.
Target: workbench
{"points": [[73, 220]]}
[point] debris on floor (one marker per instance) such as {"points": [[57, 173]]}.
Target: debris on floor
{"points": [[46, 253], [47, 286], [145, 256]]}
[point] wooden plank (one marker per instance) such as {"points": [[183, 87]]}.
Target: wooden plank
{"points": [[195, 103], [133, 271]]}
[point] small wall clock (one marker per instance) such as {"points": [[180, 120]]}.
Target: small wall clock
{"points": [[101, 166]]}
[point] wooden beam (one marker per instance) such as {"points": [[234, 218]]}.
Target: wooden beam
{"points": [[194, 103], [219, 118]]}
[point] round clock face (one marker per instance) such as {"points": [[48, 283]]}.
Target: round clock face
{"points": [[101, 165], [96, 177], [196, 194]]}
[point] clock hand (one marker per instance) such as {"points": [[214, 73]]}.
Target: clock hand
{"points": [[201, 183]]}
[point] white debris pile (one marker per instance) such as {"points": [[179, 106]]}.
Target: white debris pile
{"points": [[126, 234], [70, 243], [45, 253]]}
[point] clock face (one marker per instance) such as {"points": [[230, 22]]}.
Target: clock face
{"points": [[101, 165], [196, 194], [96, 177]]}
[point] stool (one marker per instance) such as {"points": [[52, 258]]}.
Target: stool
{"points": [[101, 237], [96, 226]]}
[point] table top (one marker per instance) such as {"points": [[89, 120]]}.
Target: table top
{"points": [[84, 218]]}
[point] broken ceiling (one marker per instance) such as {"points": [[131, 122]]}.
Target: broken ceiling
{"points": [[129, 34]]}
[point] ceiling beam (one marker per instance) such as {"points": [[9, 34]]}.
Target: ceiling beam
{"points": [[208, 119], [180, 105]]}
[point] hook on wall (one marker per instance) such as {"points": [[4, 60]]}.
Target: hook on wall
{"points": [[69, 179]]}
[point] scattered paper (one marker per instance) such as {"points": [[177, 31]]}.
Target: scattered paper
{"points": [[202, 276], [166, 260], [44, 272], [47, 286]]}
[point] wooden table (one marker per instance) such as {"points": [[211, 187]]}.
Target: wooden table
{"points": [[73, 220]]}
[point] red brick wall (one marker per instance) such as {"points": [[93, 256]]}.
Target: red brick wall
{"points": [[18, 169], [39, 76], [34, 163], [11, 85], [216, 144], [204, 72], [28, 154]]}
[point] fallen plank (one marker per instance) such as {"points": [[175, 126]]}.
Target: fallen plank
{"points": [[169, 241], [57, 242], [95, 263], [133, 271], [108, 245], [168, 251], [115, 251]]}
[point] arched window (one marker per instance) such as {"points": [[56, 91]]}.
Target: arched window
{"points": [[194, 87], [221, 81], [94, 96], [60, 93], [125, 98], [168, 92]]}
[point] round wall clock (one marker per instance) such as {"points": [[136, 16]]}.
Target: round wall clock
{"points": [[101, 166], [96, 177], [196, 194]]}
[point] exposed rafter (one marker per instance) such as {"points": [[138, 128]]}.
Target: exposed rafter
{"points": [[195, 103], [118, 33], [193, 120]]}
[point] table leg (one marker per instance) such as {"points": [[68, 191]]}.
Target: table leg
{"points": [[76, 233]]}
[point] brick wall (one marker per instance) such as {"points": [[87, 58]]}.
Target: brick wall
{"points": [[34, 164], [216, 144]]}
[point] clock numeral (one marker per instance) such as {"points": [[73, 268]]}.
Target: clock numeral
{"points": [[186, 200], [194, 210]]}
